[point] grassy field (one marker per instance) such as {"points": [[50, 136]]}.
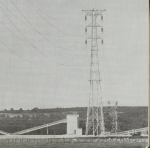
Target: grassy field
{"points": [[75, 145]]}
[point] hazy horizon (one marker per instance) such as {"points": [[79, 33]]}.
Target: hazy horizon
{"points": [[8, 109]]}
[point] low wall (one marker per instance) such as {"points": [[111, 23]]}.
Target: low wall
{"points": [[24, 140]]}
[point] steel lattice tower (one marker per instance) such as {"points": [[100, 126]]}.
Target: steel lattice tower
{"points": [[110, 107], [95, 117], [115, 119]]}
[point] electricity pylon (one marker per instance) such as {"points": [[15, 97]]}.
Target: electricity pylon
{"points": [[95, 116], [111, 109], [115, 120]]}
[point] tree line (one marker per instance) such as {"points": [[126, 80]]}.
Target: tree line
{"points": [[128, 118]]}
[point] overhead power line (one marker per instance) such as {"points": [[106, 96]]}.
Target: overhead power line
{"points": [[31, 26], [29, 43], [31, 61], [49, 22], [60, 21], [17, 54]]}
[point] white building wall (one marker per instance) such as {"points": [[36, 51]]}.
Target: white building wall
{"points": [[79, 131], [72, 124]]}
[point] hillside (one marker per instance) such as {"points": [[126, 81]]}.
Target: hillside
{"points": [[16, 120]]}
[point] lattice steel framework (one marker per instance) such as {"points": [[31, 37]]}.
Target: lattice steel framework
{"points": [[95, 117], [110, 108]]}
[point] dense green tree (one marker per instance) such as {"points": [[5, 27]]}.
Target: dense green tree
{"points": [[127, 117]]}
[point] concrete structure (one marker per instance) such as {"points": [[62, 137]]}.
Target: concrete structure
{"points": [[79, 131], [73, 125]]}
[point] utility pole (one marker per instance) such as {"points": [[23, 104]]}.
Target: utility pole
{"points": [[116, 119], [54, 131], [47, 129], [95, 116]]}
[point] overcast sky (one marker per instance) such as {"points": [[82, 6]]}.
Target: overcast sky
{"points": [[45, 62]]}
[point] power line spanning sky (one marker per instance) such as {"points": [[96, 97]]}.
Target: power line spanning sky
{"points": [[45, 62]]}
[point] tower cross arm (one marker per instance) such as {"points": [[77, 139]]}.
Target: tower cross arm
{"points": [[100, 11], [96, 25], [88, 12], [90, 37]]}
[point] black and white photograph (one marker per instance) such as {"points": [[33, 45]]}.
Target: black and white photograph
{"points": [[74, 73]]}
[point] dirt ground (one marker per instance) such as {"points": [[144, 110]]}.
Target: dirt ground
{"points": [[75, 145]]}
